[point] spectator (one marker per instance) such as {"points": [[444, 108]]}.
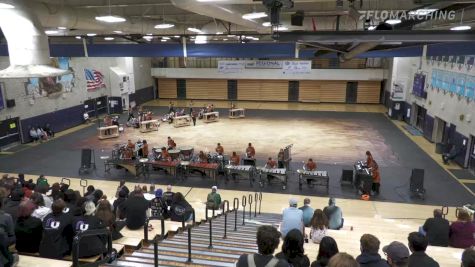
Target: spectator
{"points": [[108, 218], [369, 257], [118, 204], [213, 201], [40, 211], [342, 260], [42, 181], [397, 254], [12, 204], [89, 190], [95, 196], [417, 245], [85, 117], [319, 226], [292, 250], [7, 259], [468, 258], [158, 206], [43, 189], [292, 218], [6, 226], [56, 192], [462, 231], [268, 239], [180, 209], [168, 196], [89, 245], [437, 230], [79, 205], [135, 209], [41, 134], [334, 215], [70, 198], [327, 249], [33, 134], [121, 187], [28, 229], [307, 212], [49, 131], [57, 233]]}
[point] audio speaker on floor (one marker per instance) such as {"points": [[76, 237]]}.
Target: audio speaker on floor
{"points": [[10, 103], [346, 176], [416, 186], [296, 19], [87, 161]]}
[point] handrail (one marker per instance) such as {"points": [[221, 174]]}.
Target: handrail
{"points": [[188, 227], [194, 219], [235, 208], [445, 211], [147, 221], [210, 222], [95, 232], [244, 202], [66, 179], [250, 206], [155, 251], [225, 212], [260, 201], [83, 185], [256, 198]]}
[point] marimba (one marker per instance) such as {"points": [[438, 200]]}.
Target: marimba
{"points": [[318, 178], [237, 113], [209, 169], [149, 126], [181, 121], [168, 166], [278, 173], [245, 171], [134, 167], [108, 132], [211, 116]]}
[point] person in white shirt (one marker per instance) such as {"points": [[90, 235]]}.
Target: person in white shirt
{"points": [[33, 134], [41, 211], [86, 117]]}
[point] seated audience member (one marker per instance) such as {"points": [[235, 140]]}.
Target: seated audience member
{"points": [[122, 186], [168, 195], [369, 257], [417, 245], [119, 204], [451, 155], [70, 198], [158, 205], [334, 215], [180, 208], [108, 218], [327, 249], [89, 245], [437, 230], [12, 204], [319, 226], [28, 229], [41, 210], [468, 258], [41, 134], [89, 190], [292, 250], [42, 181], [43, 189], [57, 233], [213, 201], [49, 131], [397, 254], [56, 192], [268, 239], [307, 212], [292, 218], [79, 206], [85, 117], [7, 226], [33, 134], [462, 231], [7, 259], [135, 209], [95, 196], [342, 260]]}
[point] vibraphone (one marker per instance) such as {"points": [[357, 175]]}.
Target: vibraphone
{"points": [[318, 178], [210, 169], [181, 121], [134, 167], [236, 113], [149, 126], [363, 178], [245, 171], [168, 166], [280, 174], [211, 116]]}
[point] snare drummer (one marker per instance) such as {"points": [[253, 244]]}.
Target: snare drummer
{"points": [[235, 159], [280, 158], [164, 156], [271, 164], [202, 157], [219, 149], [144, 149], [310, 165], [250, 151], [171, 143]]}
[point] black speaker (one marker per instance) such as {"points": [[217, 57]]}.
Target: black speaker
{"points": [[10, 103], [249, 162], [347, 176], [417, 180], [296, 19], [86, 156]]}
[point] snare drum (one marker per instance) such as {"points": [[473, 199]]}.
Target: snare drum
{"points": [[174, 153]]}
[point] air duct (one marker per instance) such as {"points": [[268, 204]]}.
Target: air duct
{"points": [[27, 44]]}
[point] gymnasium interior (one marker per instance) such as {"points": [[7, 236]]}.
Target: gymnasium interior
{"points": [[85, 82]]}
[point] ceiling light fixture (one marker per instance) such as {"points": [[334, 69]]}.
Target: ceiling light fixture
{"points": [[6, 6], [219, 33], [371, 28], [195, 30], [149, 34], [49, 32], [231, 35], [461, 28], [62, 28], [393, 21], [176, 36], [118, 32], [91, 34], [78, 37], [266, 24], [164, 26], [110, 18], [148, 38], [282, 28], [201, 39], [254, 15], [225, 39], [108, 38], [166, 38], [163, 40]]}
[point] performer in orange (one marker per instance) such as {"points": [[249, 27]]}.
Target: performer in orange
{"points": [[202, 157], [373, 166], [164, 155], [369, 158], [271, 164], [280, 158], [310, 165], [148, 116], [130, 145], [235, 159], [250, 151], [144, 149], [171, 143], [219, 149]]}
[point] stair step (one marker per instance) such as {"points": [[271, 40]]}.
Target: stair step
{"points": [[202, 247], [205, 237], [229, 234], [214, 262], [183, 253], [216, 245], [130, 261]]}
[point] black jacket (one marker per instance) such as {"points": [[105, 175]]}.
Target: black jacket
{"points": [[29, 232], [420, 258], [159, 208], [180, 210], [57, 236], [437, 231], [135, 209], [371, 260], [299, 261], [11, 207], [90, 245]]}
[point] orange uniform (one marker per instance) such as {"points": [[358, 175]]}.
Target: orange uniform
{"points": [[235, 160], [375, 171], [171, 143], [271, 164], [311, 165], [250, 151], [220, 150], [145, 150], [165, 155]]}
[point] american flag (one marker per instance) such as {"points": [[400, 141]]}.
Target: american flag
{"points": [[95, 79]]}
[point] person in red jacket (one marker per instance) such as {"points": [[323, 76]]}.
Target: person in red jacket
{"points": [[462, 231]]}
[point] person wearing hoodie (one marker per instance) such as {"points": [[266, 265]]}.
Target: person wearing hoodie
{"points": [[41, 210], [12, 204], [28, 229], [158, 206], [417, 245], [89, 245], [7, 226], [119, 204], [369, 257]]}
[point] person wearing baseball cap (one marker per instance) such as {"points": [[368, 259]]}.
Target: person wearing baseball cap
{"points": [[397, 254], [292, 218], [213, 201]]}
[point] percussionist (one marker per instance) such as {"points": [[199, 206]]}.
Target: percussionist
{"points": [[171, 143], [235, 159], [250, 151], [373, 166], [107, 123], [280, 158], [144, 149], [219, 149], [202, 157], [164, 154], [310, 165], [271, 164]]}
